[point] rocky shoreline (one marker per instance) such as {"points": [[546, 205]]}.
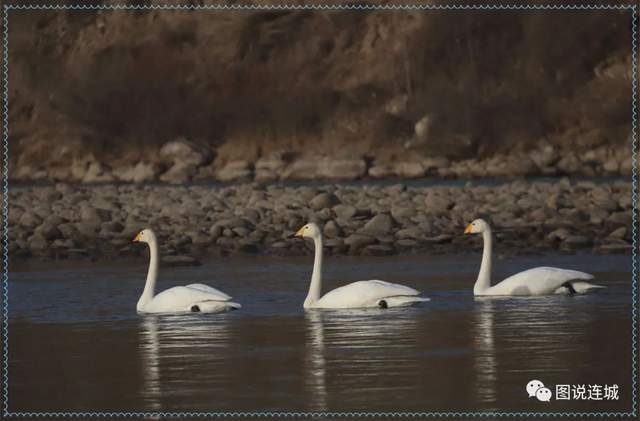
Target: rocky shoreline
{"points": [[67, 221], [182, 161]]}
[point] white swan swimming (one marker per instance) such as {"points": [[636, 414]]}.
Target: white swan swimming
{"points": [[536, 281], [361, 294], [190, 298]]}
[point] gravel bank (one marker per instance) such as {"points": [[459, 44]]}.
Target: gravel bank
{"points": [[71, 221]]}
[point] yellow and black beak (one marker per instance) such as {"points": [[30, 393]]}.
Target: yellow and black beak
{"points": [[299, 233], [135, 240], [468, 229]]}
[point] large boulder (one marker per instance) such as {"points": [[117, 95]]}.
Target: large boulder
{"points": [[341, 168], [182, 151], [409, 169], [302, 169], [269, 168], [234, 170], [141, 172]]}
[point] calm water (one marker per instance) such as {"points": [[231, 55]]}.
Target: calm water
{"points": [[76, 342]]}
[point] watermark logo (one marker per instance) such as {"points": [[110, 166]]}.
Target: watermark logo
{"points": [[576, 392], [533, 386], [543, 394], [536, 388]]}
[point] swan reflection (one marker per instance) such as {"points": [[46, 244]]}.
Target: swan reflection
{"points": [[530, 328], [364, 347], [315, 362], [171, 344], [484, 355]]}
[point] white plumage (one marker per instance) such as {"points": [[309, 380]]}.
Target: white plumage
{"points": [[181, 299], [537, 281], [361, 294]]}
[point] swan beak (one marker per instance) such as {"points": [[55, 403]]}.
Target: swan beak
{"points": [[299, 233], [468, 229], [135, 240]]}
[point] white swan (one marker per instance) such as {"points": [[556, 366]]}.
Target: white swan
{"points": [[190, 298], [536, 281], [359, 294]]}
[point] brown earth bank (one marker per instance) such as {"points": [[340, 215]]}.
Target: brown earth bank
{"points": [[175, 96], [80, 222]]}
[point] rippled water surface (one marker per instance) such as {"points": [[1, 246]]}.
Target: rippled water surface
{"points": [[76, 342]]}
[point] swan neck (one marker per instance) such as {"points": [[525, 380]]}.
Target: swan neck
{"points": [[316, 277], [152, 276], [484, 277]]}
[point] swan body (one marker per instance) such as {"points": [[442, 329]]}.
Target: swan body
{"points": [[361, 294], [532, 282], [182, 299]]}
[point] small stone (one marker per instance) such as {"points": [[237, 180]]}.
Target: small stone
{"points": [[37, 243], [618, 233], [437, 203], [215, 231], [569, 164], [241, 231], [611, 166], [63, 244], [621, 217], [331, 230], [402, 212], [412, 232], [30, 220], [114, 226], [560, 234], [380, 224], [323, 200], [89, 214], [48, 232], [344, 212], [357, 241]]}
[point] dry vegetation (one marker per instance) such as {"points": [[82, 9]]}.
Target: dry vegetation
{"points": [[246, 83]]}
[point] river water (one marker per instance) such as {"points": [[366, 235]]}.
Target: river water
{"points": [[77, 344]]}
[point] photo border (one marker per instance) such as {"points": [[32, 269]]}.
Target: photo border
{"points": [[632, 8]]}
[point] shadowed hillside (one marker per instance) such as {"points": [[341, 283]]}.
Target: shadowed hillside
{"points": [[247, 91]]}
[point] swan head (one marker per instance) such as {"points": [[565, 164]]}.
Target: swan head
{"points": [[476, 227], [311, 230], [145, 236]]}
